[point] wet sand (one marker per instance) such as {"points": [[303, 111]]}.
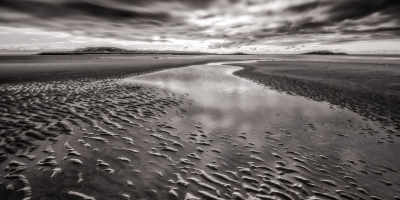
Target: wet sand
{"points": [[70, 117], [294, 139], [92, 135], [371, 89], [27, 68]]}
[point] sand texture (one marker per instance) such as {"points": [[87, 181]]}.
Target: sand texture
{"points": [[26, 68], [77, 128], [370, 89]]}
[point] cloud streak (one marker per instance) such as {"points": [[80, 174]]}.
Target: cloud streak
{"points": [[220, 24]]}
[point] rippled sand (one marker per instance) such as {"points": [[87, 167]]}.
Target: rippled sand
{"points": [[274, 141], [112, 139]]}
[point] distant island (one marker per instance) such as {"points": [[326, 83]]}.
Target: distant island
{"points": [[324, 52], [114, 50], [240, 53]]}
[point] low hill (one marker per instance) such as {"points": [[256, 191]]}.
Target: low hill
{"points": [[324, 52], [114, 50]]}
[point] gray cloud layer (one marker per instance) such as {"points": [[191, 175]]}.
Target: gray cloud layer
{"points": [[230, 23]]}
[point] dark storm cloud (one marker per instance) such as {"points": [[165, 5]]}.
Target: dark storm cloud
{"points": [[305, 7], [197, 4], [100, 11], [396, 30], [357, 9], [348, 9], [341, 10], [231, 22], [349, 20], [78, 8]]}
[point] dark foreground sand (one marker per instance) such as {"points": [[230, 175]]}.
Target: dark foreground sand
{"points": [[370, 89], [70, 129]]}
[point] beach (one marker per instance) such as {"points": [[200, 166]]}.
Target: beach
{"points": [[369, 88], [26, 68], [199, 127]]}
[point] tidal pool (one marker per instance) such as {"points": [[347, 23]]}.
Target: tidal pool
{"points": [[340, 152]]}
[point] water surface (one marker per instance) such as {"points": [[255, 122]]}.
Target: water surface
{"points": [[333, 143]]}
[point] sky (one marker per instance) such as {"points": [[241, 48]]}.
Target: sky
{"points": [[221, 26]]}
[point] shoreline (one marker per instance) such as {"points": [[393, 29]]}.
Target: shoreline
{"points": [[94, 67], [370, 103]]}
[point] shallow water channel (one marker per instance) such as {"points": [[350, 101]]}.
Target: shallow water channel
{"points": [[328, 151]]}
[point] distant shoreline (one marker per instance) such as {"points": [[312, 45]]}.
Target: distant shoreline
{"points": [[114, 50], [123, 53], [323, 53]]}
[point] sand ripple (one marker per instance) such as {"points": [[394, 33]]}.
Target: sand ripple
{"points": [[116, 140]]}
